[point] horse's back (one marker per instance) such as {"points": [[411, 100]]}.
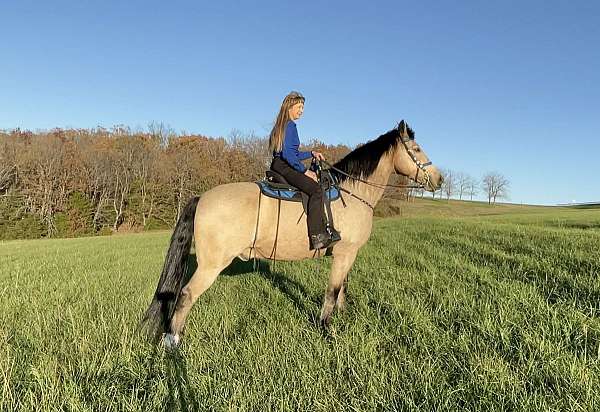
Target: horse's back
{"points": [[231, 191]]}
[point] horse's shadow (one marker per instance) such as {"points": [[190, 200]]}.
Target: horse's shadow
{"points": [[172, 367], [300, 297], [180, 390]]}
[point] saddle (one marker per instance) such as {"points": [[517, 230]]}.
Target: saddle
{"points": [[275, 186]]}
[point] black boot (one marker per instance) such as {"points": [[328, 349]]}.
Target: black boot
{"points": [[320, 241], [324, 240]]}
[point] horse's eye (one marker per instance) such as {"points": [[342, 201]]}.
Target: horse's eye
{"points": [[417, 149]]}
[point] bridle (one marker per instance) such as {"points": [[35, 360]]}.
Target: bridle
{"points": [[420, 167]]}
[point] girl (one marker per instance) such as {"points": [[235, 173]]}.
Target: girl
{"points": [[284, 143]]}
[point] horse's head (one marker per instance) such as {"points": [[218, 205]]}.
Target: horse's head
{"points": [[410, 160]]}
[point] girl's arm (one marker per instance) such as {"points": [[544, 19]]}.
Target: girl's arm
{"points": [[290, 152]]}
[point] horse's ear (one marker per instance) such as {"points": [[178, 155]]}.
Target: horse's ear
{"points": [[402, 129]]}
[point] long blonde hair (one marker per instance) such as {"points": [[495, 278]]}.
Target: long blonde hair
{"points": [[278, 132]]}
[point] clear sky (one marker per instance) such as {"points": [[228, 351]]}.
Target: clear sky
{"points": [[507, 86]]}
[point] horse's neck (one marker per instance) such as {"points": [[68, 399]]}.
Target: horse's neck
{"points": [[380, 177]]}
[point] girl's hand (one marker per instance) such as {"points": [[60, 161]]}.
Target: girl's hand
{"points": [[317, 155], [311, 174]]}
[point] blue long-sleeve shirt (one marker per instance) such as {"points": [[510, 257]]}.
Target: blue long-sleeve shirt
{"points": [[290, 152]]}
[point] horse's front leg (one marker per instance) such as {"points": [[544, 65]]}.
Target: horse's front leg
{"points": [[342, 262], [340, 303]]}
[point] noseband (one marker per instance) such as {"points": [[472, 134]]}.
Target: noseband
{"points": [[420, 166]]}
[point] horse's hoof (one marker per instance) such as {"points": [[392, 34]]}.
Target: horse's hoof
{"points": [[325, 323], [171, 341]]}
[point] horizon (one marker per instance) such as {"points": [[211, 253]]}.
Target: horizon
{"points": [[499, 89]]}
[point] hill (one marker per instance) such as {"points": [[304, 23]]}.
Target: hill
{"points": [[451, 208]]}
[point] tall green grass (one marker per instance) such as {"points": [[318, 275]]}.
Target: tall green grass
{"points": [[472, 313]]}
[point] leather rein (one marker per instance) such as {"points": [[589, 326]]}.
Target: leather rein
{"points": [[420, 167]]}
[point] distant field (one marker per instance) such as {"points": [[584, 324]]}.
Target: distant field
{"points": [[458, 208], [451, 307]]}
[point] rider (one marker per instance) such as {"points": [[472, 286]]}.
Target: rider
{"points": [[284, 142]]}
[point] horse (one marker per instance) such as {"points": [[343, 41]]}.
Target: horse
{"points": [[268, 228]]}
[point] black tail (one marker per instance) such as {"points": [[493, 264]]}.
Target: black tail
{"points": [[158, 316]]}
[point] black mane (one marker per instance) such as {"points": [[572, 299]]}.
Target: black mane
{"points": [[362, 161]]}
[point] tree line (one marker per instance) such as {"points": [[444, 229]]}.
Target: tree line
{"points": [[81, 182], [492, 185], [77, 182]]}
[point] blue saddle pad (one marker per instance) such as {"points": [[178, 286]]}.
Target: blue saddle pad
{"points": [[285, 192]]}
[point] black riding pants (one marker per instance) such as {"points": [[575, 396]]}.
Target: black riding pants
{"points": [[315, 216]]}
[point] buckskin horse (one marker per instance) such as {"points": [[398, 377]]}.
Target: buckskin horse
{"points": [[362, 174]]}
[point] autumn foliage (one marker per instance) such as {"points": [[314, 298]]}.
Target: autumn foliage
{"points": [[79, 182]]}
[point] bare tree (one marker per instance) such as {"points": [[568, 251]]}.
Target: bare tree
{"points": [[472, 187], [7, 174], [45, 176], [95, 175], [256, 148], [147, 175], [185, 167], [123, 174], [449, 183], [161, 132], [420, 191], [495, 185], [438, 192], [8, 168], [462, 183]]}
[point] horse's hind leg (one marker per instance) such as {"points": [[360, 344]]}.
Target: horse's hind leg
{"points": [[342, 262], [203, 278]]}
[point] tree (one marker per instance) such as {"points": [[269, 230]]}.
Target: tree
{"points": [[332, 153], [449, 183], [192, 166], [420, 191], [89, 181], [472, 187], [8, 168], [96, 173], [45, 176], [465, 185], [495, 185], [253, 151], [462, 182], [161, 132]]}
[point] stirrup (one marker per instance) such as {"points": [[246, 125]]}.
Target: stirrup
{"points": [[334, 234]]}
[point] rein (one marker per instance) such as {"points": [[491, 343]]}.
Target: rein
{"points": [[377, 185], [417, 162]]}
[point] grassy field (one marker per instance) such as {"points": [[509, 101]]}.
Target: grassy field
{"points": [[476, 309]]}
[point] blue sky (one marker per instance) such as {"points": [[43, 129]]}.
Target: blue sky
{"points": [[507, 86]]}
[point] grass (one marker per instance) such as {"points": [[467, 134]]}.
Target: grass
{"points": [[468, 312]]}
